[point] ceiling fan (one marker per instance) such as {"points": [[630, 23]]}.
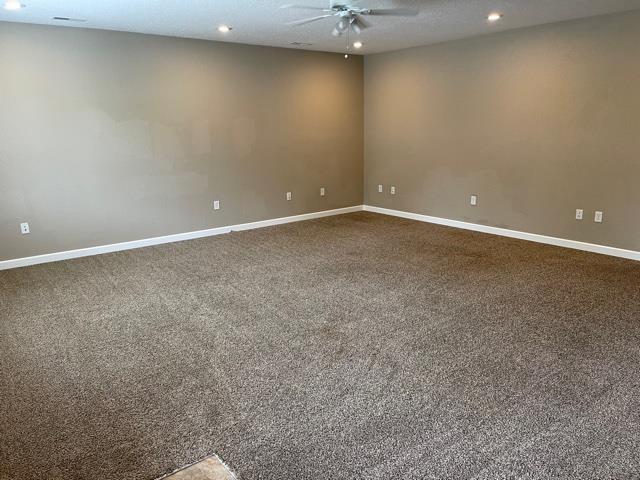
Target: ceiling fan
{"points": [[350, 17]]}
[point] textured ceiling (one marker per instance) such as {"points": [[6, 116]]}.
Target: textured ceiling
{"points": [[262, 22]]}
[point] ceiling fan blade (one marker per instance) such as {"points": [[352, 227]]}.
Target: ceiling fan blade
{"points": [[297, 23], [396, 12], [305, 7], [362, 23]]}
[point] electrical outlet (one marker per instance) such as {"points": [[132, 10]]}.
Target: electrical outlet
{"points": [[598, 217], [393, 190], [579, 214], [216, 204], [380, 188], [289, 196], [322, 191], [24, 228], [473, 200]]}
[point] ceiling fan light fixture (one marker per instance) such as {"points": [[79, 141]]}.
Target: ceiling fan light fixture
{"points": [[13, 5], [350, 18], [494, 17]]}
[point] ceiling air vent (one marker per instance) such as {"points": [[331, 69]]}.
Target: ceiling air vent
{"points": [[69, 19], [300, 44]]}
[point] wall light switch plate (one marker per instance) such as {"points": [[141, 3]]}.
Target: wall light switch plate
{"points": [[393, 190], [24, 228], [474, 200], [322, 191], [579, 214], [216, 204], [289, 196], [380, 188], [598, 217]]}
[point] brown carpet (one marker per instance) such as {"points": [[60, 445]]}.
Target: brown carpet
{"points": [[352, 347]]}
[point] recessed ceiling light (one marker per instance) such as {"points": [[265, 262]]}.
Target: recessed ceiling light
{"points": [[13, 5], [224, 29], [358, 44], [494, 17]]}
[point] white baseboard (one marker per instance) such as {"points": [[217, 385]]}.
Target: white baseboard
{"points": [[532, 237], [178, 237], [295, 218]]}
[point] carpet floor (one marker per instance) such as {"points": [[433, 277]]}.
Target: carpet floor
{"points": [[359, 346]]}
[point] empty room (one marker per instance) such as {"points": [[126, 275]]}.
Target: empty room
{"points": [[359, 240]]}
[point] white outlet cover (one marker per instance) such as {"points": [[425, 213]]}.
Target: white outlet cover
{"points": [[289, 196], [473, 200], [598, 217], [380, 188], [322, 191], [579, 214], [216, 204], [393, 190], [24, 228]]}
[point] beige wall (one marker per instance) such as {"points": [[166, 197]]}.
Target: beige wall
{"points": [[107, 137], [537, 122]]}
